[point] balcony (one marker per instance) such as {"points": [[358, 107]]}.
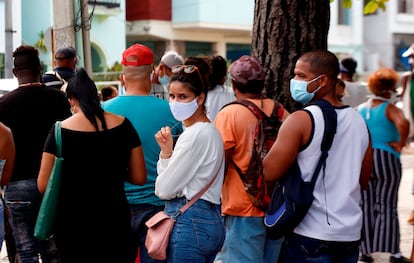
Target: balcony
{"points": [[106, 3]]}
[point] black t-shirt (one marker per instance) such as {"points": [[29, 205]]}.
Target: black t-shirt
{"points": [[94, 171], [30, 112]]}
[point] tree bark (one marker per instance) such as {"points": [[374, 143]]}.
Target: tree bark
{"points": [[282, 31]]}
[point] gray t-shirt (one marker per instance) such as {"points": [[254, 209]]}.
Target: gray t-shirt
{"points": [[355, 93]]}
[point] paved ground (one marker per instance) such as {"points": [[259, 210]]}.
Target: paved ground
{"points": [[405, 206]]}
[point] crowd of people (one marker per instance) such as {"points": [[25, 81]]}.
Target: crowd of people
{"points": [[171, 132]]}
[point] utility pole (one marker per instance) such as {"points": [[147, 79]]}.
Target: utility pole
{"points": [[63, 33], [86, 26], [8, 51]]}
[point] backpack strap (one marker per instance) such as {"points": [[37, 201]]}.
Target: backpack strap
{"points": [[330, 118], [58, 81], [277, 108], [251, 106], [276, 112]]}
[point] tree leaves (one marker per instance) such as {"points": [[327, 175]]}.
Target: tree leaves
{"points": [[41, 44], [347, 3], [373, 5]]}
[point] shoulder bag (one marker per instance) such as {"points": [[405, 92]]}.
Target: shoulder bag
{"points": [[45, 222], [292, 196], [161, 225]]}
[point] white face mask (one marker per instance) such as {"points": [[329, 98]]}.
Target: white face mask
{"points": [[183, 110]]}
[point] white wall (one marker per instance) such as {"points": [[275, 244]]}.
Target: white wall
{"points": [[16, 18]]}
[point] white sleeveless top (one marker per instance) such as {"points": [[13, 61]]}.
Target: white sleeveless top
{"points": [[335, 214]]}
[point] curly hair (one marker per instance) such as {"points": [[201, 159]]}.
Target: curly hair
{"points": [[383, 80]]}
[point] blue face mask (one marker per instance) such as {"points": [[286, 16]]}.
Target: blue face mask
{"points": [[164, 80], [298, 90]]}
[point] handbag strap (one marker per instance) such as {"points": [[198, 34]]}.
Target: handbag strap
{"points": [[58, 137], [196, 197]]}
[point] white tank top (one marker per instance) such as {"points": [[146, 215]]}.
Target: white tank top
{"points": [[335, 214]]}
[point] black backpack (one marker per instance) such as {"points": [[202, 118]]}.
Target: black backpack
{"points": [[267, 128], [58, 82], [292, 197]]}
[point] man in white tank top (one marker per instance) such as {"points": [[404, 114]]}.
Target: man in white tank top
{"points": [[330, 231]]}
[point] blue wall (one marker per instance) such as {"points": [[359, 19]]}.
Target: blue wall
{"points": [[213, 11]]}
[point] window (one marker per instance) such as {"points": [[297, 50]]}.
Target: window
{"points": [[344, 14], [405, 6], [107, 3]]}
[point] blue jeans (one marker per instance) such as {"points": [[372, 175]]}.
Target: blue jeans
{"points": [[246, 241], [23, 200], [2, 229], [198, 234], [140, 213], [301, 249]]}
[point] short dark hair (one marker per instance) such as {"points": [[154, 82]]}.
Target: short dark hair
{"points": [[107, 92], [26, 58], [254, 86], [322, 62], [348, 65]]}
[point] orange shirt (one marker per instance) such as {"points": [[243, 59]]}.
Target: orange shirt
{"points": [[237, 125]]}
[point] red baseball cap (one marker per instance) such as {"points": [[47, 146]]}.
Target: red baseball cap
{"points": [[137, 55]]}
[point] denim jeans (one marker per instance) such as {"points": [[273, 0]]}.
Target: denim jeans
{"points": [[246, 241], [23, 200], [299, 249], [2, 229], [140, 213], [198, 234]]}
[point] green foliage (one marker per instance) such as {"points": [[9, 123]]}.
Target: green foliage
{"points": [[347, 3], [111, 74], [116, 67], [373, 5], [41, 44]]}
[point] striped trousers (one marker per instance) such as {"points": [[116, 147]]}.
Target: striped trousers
{"points": [[381, 229]]}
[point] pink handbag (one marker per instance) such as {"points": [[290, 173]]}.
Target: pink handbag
{"points": [[161, 225]]}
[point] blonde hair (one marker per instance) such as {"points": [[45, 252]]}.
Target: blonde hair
{"points": [[383, 80]]}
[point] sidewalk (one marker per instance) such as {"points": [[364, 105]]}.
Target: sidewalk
{"points": [[405, 206]]}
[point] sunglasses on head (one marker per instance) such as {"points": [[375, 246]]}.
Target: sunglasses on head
{"points": [[187, 69]]}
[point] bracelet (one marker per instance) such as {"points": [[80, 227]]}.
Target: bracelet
{"points": [[165, 156]]}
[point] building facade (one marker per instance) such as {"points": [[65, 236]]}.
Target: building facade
{"points": [[199, 27]]}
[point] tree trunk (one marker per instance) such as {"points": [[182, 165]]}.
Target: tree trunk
{"points": [[282, 31]]}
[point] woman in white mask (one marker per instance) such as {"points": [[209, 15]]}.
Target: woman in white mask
{"points": [[197, 158]]}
